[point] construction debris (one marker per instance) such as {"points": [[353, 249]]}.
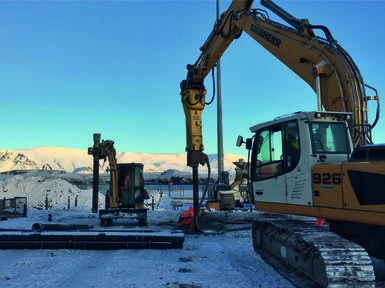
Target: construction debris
{"points": [[91, 240], [13, 207]]}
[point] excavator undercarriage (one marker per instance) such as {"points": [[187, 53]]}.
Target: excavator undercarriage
{"points": [[320, 255]]}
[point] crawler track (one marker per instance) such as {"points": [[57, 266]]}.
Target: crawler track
{"points": [[323, 257]]}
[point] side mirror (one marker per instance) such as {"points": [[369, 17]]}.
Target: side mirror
{"points": [[249, 143], [239, 141]]}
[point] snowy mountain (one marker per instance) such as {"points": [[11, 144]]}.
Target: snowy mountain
{"points": [[78, 161]]}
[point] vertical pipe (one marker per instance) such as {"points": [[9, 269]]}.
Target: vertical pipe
{"points": [[318, 88], [195, 195], [219, 118], [95, 181]]}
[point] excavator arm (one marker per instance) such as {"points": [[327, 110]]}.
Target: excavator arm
{"points": [[323, 64], [106, 150], [193, 91], [111, 154]]}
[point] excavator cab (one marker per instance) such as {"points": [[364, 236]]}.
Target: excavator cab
{"points": [[280, 162], [130, 186], [304, 164], [301, 164]]}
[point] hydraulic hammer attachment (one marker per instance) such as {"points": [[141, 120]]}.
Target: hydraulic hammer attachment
{"points": [[193, 103]]}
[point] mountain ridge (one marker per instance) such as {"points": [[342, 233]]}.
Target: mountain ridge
{"points": [[78, 161]]}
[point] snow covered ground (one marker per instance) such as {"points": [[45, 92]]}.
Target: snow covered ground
{"points": [[226, 259]]}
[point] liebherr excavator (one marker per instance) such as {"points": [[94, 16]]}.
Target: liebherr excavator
{"points": [[317, 164]]}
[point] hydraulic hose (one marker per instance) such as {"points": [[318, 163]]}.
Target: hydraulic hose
{"points": [[207, 162], [207, 182], [212, 99]]}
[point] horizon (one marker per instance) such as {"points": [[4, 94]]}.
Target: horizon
{"points": [[85, 149], [74, 160]]}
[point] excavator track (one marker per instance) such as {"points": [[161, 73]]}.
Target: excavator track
{"points": [[317, 255]]}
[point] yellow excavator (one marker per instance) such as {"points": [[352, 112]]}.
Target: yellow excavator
{"points": [[126, 194], [317, 164]]}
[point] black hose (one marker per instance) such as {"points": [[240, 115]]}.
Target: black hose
{"points": [[203, 196], [207, 182], [328, 35], [220, 32], [191, 104], [212, 99]]}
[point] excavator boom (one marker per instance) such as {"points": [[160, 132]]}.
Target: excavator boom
{"points": [[216, 44], [321, 62]]}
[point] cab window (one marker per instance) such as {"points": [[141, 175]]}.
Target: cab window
{"points": [[276, 150], [268, 159], [329, 138]]}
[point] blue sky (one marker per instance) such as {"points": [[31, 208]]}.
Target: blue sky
{"points": [[72, 68]]}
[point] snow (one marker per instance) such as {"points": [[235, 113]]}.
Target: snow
{"points": [[36, 186], [225, 259]]}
